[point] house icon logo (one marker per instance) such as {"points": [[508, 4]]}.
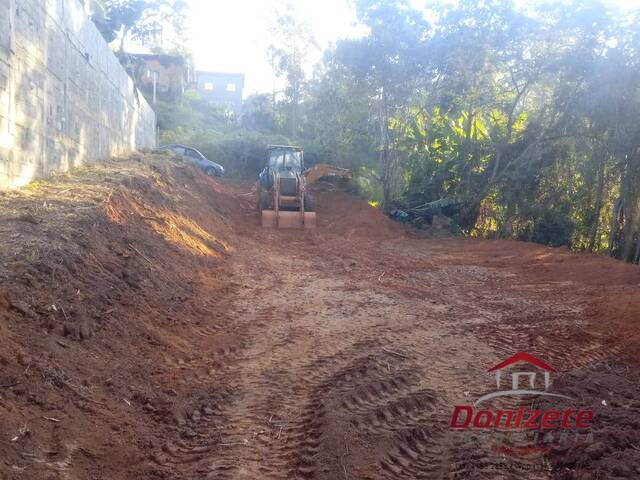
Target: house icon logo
{"points": [[522, 383]]}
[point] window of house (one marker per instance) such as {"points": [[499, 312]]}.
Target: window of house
{"points": [[231, 87], [208, 86]]}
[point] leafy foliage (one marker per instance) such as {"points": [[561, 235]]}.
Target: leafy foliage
{"points": [[216, 133], [516, 122], [143, 20], [291, 41]]}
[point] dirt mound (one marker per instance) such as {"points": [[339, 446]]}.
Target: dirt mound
{"points": [[343, 213], [100, 273]]}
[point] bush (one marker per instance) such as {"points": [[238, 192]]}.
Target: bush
{"points": [[238, 146], [550, 227], [216, 133], [242, 154]]}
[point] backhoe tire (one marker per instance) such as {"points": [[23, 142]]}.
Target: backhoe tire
{"points": [[308, 203], [263, 200]]}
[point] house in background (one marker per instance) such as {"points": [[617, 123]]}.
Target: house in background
{"points": [[162, 77], [223, 89], [166, 77]]}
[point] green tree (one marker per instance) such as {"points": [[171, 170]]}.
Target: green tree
{"points": [[288, 52], [387, 64], [146, 21], [257, 113]]}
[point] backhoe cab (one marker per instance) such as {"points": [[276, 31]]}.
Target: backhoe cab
{"points": [[282, 197]]}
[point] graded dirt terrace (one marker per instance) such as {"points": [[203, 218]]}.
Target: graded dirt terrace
{"points": [[150, 329]]}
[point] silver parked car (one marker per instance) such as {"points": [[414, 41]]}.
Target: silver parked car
{"points": [[192, 155]]}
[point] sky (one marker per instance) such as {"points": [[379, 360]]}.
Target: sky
{"points": [[232, 35]]}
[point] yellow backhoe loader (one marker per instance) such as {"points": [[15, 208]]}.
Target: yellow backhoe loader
{"points": [[282, 196]]}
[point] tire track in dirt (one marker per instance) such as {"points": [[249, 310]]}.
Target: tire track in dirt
{"points": [[277, 422], [321, 368], [349, 368], [268, 411]]}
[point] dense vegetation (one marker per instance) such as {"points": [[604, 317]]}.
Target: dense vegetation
{"points": [[157, 24], [516, 122], [524, 118]]}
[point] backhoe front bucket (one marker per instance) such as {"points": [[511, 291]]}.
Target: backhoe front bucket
{"points": [[310, 220], [286, 219], [269, 219]]}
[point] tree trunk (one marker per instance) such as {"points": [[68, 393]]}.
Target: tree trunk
{"points": [[506, 229], [630, 202], [273, 91], [593, 233], [467, 153], [614, 228], [496, 165], [123, 38], [295, 95], [627, 235], [385, 161]]}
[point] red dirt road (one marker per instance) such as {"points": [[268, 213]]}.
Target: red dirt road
{"points": [[195, 345]]}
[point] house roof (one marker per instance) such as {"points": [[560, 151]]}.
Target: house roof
{"points": [[152, 56], [292, 147], [523, 357], [219, 74]]}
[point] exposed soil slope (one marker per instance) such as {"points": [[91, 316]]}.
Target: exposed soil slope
{"points": [[150, 329]]}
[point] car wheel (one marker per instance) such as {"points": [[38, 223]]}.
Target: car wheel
{"points": [[211, 172]]}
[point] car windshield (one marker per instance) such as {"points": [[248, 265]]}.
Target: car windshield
{"points": [[285, 159]]}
